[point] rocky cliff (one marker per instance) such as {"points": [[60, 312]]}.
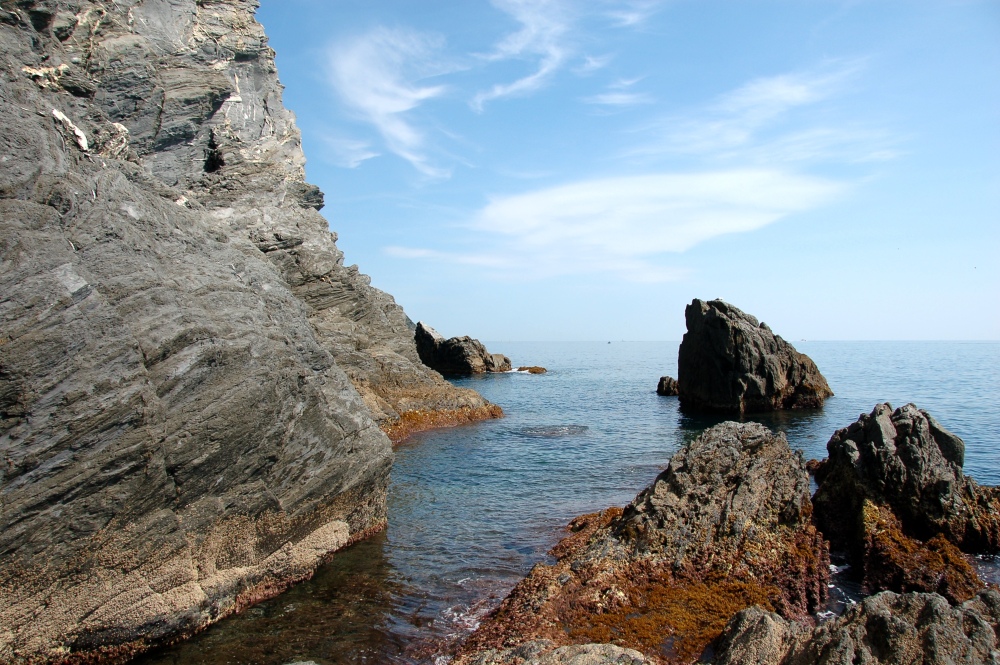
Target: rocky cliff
{"points": [[192, 383]]}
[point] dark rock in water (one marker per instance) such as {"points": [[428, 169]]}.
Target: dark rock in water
{"points": [[728, 362], [887, 628], [456, 356], [726, 526], [893, 495], [192, 383], [667, 386], [534, 369]]}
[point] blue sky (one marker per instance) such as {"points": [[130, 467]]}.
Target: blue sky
{"points": [[570, 170]]}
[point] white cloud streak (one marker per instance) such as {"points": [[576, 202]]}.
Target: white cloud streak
{"points": [[741, 124], [374, 75], [349, 153], [625, 225], [544, 26], [618, 95], [633, 13]]}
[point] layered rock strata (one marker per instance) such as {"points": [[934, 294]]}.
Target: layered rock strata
{"points": [[191, 381], [726, 526], [729, 362], [884, 629], [893, 495], [457, 356]]}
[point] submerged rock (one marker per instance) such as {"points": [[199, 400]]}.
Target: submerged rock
{"points": [[192, 383], [729, 362], [457, 356], [726, 526], [893, 495], [667, 386], [887, 628]]}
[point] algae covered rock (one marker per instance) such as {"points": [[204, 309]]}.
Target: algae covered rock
{"points": [[729, 362], [725, 527], [905, 459], [892, 494]]}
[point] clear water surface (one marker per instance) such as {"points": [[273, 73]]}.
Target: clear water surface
{"points": [[471, 509]]}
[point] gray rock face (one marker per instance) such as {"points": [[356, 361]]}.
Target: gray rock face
{"points": [[457, 355], [906, 460], [667, 387], [729, 362], [191, 381], [882, 629]]}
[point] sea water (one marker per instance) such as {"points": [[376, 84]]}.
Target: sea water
{"points": [[471, 509]]}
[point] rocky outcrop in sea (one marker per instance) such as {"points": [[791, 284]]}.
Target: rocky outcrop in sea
{"points": [[457, 356], [725, 527], [892, 494], [729, 362], [192, 383], [667, 387]]}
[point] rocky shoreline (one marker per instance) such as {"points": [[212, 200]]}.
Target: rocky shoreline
{"points": [[723, 560], [198, 400]]}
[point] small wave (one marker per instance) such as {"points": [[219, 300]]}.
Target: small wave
{"points": [[553, 431]]}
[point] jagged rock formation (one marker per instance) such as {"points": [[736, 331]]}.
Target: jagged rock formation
{"points": [[893, 495], [726, 526], [457, 356], [881, 630], [667, 387], [729, 362], [191, 381]]}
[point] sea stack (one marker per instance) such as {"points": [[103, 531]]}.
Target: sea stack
{"points": [[729, 362], [192, 383]]}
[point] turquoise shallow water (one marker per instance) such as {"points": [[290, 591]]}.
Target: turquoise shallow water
{"points": [[471, 509]]}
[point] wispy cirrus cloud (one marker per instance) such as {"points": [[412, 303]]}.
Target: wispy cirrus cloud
{"points": [[754, 123], [347, 152], [593, 63], [378, 75], [624, 225], [620, 94], [542, 37], [632, 13]]}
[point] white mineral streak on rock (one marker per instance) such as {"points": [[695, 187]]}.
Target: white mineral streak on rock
{"points": [[79, 136]]}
